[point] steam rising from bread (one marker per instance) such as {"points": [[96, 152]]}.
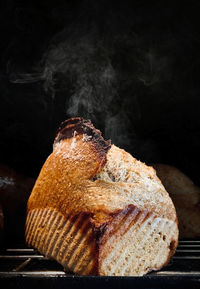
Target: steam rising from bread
{"points": [[102, 64], [98, 65], [86, 66]]}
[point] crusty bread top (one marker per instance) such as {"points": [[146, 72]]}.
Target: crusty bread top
{"points": [[83, 174], [77, 125], [136, 183]]}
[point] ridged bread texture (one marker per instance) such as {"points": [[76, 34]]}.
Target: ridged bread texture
{"points": [[186, 197], [97, 210]]}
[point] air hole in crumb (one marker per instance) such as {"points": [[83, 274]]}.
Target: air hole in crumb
{"points": [[164, 237], [111, 176]]}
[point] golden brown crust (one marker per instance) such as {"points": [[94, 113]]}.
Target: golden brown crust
{"points": [[71, 192], [79, 154]]}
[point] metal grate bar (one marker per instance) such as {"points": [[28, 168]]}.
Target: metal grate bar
{"points": [[22, 256], [20, 250], [188, 251], [22, 265], [189, 245], [177, 273], [189, 241]]}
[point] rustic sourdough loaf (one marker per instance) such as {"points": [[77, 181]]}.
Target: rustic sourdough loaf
{"points": [[97, 210], [186, 197]]}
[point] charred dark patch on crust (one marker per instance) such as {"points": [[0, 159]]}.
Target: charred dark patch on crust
{"points": [[69, 128], [172, 247], [99, 231]]}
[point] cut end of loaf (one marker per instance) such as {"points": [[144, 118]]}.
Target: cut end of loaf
{"points": [[146, 246]]}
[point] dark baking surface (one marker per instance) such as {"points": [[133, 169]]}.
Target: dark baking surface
{"points": [[26, 268]]}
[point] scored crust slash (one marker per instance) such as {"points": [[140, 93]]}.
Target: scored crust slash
{"points": [[97, 210]]}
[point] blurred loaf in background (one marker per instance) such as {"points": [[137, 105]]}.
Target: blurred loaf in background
{"points": [[14, 192], [186, 197], [1, 218]]}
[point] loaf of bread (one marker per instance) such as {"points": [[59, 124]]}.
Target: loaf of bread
{"points": [[186, 197], [97, 210]]}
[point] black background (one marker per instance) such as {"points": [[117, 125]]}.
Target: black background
{"points": [[153, 48]]}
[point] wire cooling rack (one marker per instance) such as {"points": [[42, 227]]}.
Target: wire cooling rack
{"points": [[26, 268]]}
